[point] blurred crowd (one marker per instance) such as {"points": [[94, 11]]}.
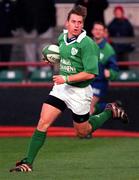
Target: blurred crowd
{"points": [[33, 18], [119, 27], [28, 19]]}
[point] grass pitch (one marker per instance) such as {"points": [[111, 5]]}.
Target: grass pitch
{"points": [[74, 159]]}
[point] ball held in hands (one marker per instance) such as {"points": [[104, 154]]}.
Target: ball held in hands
{"points": [[51, 53]]}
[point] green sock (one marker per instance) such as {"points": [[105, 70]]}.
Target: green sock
{"points": [[36, 143], [97, 109], [98, 120]]}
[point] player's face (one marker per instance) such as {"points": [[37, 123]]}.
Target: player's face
{"points": [[74, 25], [98, 31]]}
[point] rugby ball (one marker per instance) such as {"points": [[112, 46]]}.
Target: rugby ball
{"points": [[51, 53]]}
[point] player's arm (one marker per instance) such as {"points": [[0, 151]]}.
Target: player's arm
{"points": [[111, 74], [82, 76], [112, 70]]}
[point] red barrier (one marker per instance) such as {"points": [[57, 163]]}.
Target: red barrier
{"points": [[50, 84], [26, 84], [25, 64], [124, 84], [15, 131], [128, 63]]}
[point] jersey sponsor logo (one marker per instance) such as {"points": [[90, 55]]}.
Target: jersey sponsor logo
{"points": [[67, 68], [65, 61], [74, 51]]}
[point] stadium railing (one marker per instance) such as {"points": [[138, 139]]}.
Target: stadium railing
{"points": [[15, 75]]}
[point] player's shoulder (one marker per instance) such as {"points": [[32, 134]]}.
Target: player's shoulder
{"points": [[87, 41], [61, 36], [109, 47]]}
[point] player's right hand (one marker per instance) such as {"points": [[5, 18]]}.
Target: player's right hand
{"points": [[44, 59], [59, 79]]}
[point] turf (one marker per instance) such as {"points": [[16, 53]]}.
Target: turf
{"points": [[74, 159]]}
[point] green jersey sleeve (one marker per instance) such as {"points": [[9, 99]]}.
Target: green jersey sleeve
{"points": [[60, 38], [90, 56]]}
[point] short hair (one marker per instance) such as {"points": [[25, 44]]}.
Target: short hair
{"points": [[78, 10], [99, 23]]}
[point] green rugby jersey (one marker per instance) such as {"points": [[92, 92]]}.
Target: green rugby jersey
{"points": [[107, 60], [80, 55], [106, 51]]}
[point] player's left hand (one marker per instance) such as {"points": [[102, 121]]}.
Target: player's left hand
{"points": [[106, 73], [58, 79]]}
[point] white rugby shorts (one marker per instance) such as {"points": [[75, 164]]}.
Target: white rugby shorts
{"points": [[77, 99]]}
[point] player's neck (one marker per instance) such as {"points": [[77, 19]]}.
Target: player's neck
{"points": [[73, 38], [98, 41]]}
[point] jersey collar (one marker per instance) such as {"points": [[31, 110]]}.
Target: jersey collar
{"points": [[102, 43], [79, 38]]}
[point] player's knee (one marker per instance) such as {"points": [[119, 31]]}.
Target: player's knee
{"points": [[43, 125]]}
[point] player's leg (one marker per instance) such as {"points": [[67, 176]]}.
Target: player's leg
{"points": [[112, 110], [81, 125], [94, 101], [100, 90], [100, 107], [48, 114], [47, 117]]}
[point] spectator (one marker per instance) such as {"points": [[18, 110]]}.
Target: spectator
{"points": [[95, 12], [120, 27], [37, 19], [45, 20], [7, 9], [108, 68], [25, 13]]}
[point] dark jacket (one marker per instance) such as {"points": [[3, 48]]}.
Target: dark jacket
{"points": [[36, 14], [45, 15], [121, 28], [95, 12], [7, 10], [25, 15]]}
